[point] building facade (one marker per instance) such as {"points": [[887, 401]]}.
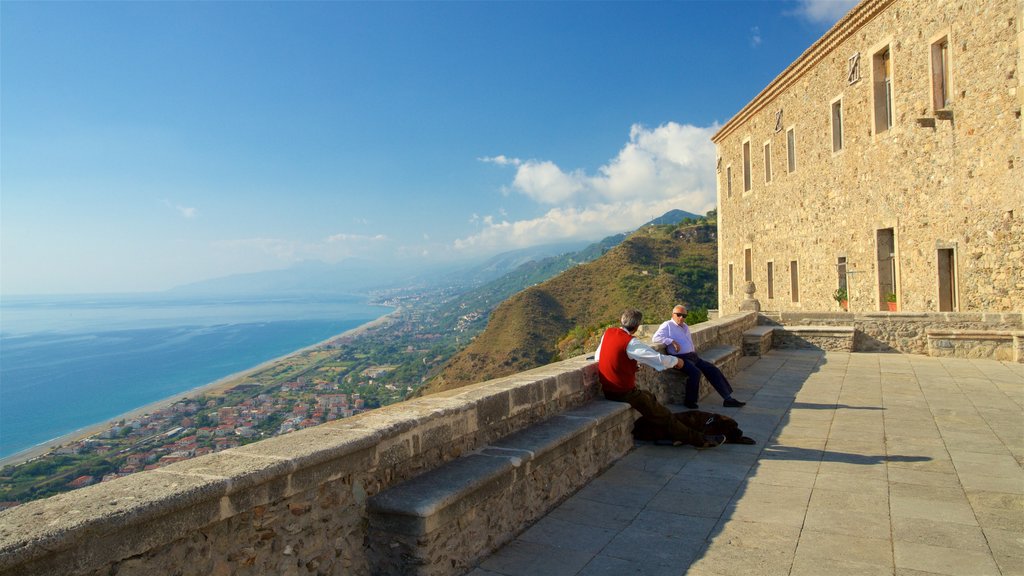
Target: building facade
{"points": [[885, 164]]}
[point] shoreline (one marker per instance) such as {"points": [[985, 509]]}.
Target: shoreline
{"points": [[218, 386]]}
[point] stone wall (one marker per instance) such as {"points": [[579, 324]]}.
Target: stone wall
{"points": [[290, 505], [908, 332], [939, 178], [294, 504]]}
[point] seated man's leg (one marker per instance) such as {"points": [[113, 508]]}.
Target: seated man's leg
{"points": [[713, 374], [692, 390], [647, 405]]}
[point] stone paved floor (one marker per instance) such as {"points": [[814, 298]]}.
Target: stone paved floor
{"points": [[865, 464]]}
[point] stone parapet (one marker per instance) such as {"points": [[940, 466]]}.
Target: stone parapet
{"points": [[294, 504], [1004, 345], [909, 332]]}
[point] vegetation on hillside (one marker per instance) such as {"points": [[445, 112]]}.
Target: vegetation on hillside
{"points": [[652, 270]]}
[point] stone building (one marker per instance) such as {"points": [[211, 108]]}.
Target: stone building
{"points": [[886, 161]]}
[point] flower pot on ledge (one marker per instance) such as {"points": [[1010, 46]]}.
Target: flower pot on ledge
{"points": [[892, 306]]}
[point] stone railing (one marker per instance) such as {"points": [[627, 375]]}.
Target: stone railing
{"points": [[990, 335], [293, 504]]}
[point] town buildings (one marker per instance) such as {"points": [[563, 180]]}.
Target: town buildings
{"points": [[884, 164]]}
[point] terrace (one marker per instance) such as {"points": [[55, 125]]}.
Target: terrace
{"points": [[866, 463]]}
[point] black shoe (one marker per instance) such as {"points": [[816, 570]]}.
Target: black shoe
{"points": [[690, 405], [733, 403], [711, 441], [745, 440]]}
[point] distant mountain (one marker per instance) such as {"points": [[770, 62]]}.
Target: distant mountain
{"points": [[354, 276], [509, 272], [653, 269], [482, 299], [310, 277], [673, 217]]}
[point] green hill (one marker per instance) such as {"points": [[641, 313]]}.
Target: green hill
{"points": [[652, 269]]}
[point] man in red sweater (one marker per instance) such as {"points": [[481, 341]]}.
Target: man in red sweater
{"points": [[618, 357]]}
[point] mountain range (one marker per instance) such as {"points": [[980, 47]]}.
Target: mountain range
{"points": [[652, 269], [356, 275]]}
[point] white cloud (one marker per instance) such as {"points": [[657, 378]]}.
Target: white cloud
{"points": [[354, 238], [545, 182], [755, 36], [185, 211], [824, 11], [657, 170], [502, 160]]}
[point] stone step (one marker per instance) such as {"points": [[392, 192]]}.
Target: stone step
{"points": [[444, 520], [757, 341]]}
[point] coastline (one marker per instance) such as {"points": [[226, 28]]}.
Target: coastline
{"points": [[218, 386]]}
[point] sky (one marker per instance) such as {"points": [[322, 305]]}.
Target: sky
{"points": [[147, 144]]}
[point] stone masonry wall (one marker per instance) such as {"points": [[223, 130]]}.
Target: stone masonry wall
{"points": [[293, 504], [940, 179], [907, 332], [290, 505]]}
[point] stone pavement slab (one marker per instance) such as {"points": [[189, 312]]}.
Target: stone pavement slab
{"points": [[866, 464]]}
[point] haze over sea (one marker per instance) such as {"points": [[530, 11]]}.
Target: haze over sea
{"points": [[67, 362]]}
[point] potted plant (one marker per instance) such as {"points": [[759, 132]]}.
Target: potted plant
{"points": [[842, 297], [890, 299]]}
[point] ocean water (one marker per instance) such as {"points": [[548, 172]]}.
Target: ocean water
{"points": [[71, 362]]}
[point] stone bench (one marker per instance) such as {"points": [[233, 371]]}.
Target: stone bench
{"points": [[831, 338], [757, 341], [1004, 345], [444, 520]]}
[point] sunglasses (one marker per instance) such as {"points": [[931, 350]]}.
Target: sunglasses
{"points": [[679, 313]]}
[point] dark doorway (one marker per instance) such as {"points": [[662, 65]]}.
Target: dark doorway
{"points": [[886, 267]]}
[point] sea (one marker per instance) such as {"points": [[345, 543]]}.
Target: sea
{"points": [[70, 362]]}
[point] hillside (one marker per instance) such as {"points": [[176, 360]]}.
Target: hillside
{"points": [[652, 269]]}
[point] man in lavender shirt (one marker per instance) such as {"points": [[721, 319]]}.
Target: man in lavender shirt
{"points": [[675, 335]]}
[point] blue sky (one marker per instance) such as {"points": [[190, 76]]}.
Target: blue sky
{"points": [[145, 145]]}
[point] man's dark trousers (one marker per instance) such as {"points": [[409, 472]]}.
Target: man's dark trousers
{"points": [[659, 417], [694, 366]]}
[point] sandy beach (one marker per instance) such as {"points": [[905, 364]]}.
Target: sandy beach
{"points": [[216, 387]]}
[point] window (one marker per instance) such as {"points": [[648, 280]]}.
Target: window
{"points": [[767, 162], [747, 272], [771, 280], [940, 74], [794, 284], [881, 66], [841, 269], [791, 150], [837, 126], [746, 166], [887, 267], [728, 181], [853, 69], [947, 279], [730, 279]]}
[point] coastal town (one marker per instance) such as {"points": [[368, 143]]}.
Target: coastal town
{"points": [[376, 365]]}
